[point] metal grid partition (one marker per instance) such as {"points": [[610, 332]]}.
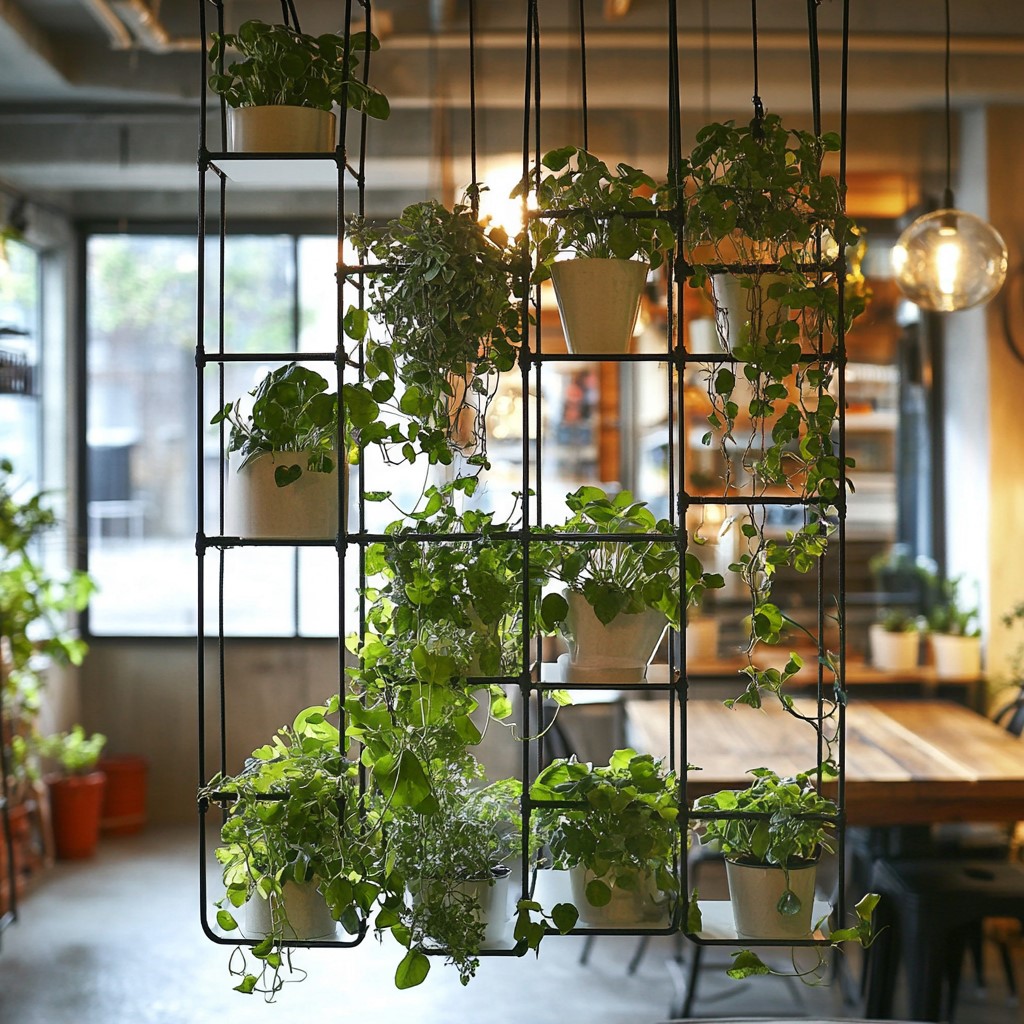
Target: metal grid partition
{"points": [[820, 366]]}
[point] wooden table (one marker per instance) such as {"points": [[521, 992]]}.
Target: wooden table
{"points": [[908, 762]]}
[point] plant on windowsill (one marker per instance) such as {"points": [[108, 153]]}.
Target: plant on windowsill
{"points": [[76, 790], [955, 632], [609, 224], [895, 641], [295, 853], [281, 92], [620, 845], [619, 594], [444, 293], [286, 442]]}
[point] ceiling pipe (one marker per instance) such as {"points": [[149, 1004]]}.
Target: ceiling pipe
{"points": [[149, 32], [120, 37]]}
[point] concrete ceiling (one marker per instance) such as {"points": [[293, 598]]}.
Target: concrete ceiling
{"points": [[99, 99]]}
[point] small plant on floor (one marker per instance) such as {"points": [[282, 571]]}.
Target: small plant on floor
{"points": [[73, 752]]}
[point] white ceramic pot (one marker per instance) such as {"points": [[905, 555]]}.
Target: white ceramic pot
{"points": [[492, 899], [626, 908], [956, 657], [893, 652], [599, 301], [703, 337], [305, 912], [742, 313], [614, 652], [255, 507], [754, 892], [281, 129]]}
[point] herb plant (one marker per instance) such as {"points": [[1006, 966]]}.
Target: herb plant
{"points": [[614, 214], [281, 65], [444, 294], [292, 412], [953, 613], [74, 752]]}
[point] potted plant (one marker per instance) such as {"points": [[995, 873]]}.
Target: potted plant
{"points": [[619, 595], [281, 92], [771, 835], [955, 633], [621, 843], [76, 791], [286, 440], [294, 852], [444, 293], [610, 223], [895, 642]]}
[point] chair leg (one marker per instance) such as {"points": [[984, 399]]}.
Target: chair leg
{"points": [[692, 971], [638, 955], [1007, 961], [588, 945]]}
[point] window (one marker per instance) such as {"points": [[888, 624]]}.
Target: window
{"points": [[141, 426]]}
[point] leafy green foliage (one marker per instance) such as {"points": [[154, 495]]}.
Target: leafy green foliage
{"points": [[292, 411], [34, 604], [626, 830], [74, 752], [775, 821], [617, 577], [615, 216], [953, 613], [444, 293], [282, 66]]}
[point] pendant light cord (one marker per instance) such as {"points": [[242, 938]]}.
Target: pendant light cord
{"points": [[947, 198], [756, 98], [288, 15]]}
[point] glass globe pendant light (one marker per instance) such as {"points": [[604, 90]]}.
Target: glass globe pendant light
{"points": [[950, 259]]}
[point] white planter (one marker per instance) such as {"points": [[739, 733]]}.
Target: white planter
{"points": [[598, 301], [492, 898], [305, 910], [626, 908], [703, 337], [956, 657], [281, 129], [742, 313], [894, 652], [702, 639], [754, 892], [614, 652], [255, 507]]}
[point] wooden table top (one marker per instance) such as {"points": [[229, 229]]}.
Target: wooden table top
{"points": [[907, 761]]}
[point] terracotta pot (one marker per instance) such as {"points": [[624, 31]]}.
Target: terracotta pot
{"points": [[281, 129], [894, 652], [598, 301], [304, 510], [755, 890], [75, 804], [124, 798]]}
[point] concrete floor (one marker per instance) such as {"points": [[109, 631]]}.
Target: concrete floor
{"points": [[117, 940]]}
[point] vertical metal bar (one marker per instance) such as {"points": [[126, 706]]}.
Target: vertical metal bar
{"points": [[583, 75]]}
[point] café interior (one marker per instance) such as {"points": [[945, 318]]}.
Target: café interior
{"points": [[151, 271]]}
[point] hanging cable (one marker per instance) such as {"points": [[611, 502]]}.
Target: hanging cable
{"points": [[947, 196], [815, 59], [583, 77], [706, 60], [289, 15], [756, 98], [474, 188]]}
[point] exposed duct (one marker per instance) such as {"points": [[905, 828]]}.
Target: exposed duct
{"points": [[134, 24]]}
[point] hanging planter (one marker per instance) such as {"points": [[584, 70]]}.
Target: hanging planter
{"points": [[281, 92], [639, 905], [756, 892], [281, 129], [286, 484], [598, 302], [299, 911]]}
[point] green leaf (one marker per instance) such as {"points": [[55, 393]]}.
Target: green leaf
{"points": [[412, 970], [226, 921], [247, 985], [564, 916], [598, 893]]}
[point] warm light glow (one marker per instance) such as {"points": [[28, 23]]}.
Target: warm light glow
{"points": [[949, 260], [496, 207]]}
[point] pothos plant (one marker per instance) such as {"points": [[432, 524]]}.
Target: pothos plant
{"points": [[616, 575], [281, 65], [615, 214], [625, 829], [443, 292], [293, 817], [291, 413]]}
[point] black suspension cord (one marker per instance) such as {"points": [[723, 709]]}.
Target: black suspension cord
{"points": [[947, 199], [706, 60], [756, 98], [815, 57], [474, 190], [289, 16], [583, 76]]}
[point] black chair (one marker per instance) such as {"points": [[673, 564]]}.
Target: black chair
{"points": [[928, 913]]}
